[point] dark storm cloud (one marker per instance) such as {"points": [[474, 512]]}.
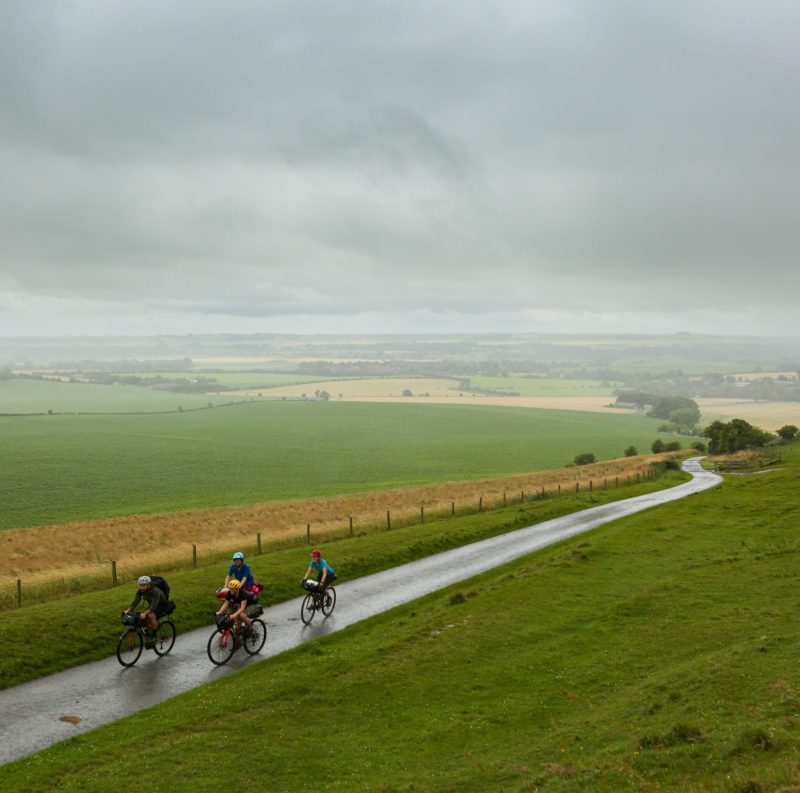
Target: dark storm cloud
{"points": [[550, 166]]}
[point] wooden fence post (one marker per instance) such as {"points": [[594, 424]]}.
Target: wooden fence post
{"points": [[522, 497], [258, 543], [452, 507], [422, 513], [559, 488], [605, 486], [308, 533], [577, 487], [480, 504], [113, 573], [591, 485], [19, 593], [351, 525], [194, 556], [504, 498], [388, 520]]}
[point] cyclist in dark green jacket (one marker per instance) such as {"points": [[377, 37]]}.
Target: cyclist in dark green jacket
{"points": [[156, 603]]}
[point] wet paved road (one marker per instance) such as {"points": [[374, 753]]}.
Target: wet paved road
{"points": [[102, 691]]}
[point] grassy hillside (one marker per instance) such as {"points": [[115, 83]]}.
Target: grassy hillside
{"points": [[658, 653], [62, 468], [60, 625]]}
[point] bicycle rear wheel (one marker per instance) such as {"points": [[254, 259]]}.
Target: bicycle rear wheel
{"points": [[165, 637], [129, 647], [327, 608], [254, 640], [221, 646], [308, 609]]}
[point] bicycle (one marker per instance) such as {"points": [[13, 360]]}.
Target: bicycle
{"points": [[136, 636], [316, 600], [229, 636]]}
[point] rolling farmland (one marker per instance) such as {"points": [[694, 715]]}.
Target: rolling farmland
{"points": [[62, 468]]}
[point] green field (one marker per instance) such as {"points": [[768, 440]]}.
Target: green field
{"points": [[40, 396], [242, 379], [61, 468], [544, 386], [658, 653]]}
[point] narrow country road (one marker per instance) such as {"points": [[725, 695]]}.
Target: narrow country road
{"points": [[101, 692]]}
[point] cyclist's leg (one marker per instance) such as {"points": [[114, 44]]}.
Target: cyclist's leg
{"points": [[249, 613], [328, 582]]}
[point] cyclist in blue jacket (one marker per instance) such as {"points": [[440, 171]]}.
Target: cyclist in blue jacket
{"points": [[325, 573], [240, 571]]}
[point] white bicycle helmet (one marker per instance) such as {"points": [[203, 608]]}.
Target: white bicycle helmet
{"points": [[145, 579]]}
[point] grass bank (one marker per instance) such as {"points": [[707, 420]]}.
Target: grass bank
{"points": [[658, 653]]}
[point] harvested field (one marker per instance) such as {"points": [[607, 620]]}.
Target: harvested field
{"points": [[767, 415], [84, 549]]}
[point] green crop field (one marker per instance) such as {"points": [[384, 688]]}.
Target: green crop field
{"points": [[544, 386], [242, 379], [40, 396], [60, 468], [657, 653]]}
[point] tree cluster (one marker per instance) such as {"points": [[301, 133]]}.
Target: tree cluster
{"points": [[732, 436]]}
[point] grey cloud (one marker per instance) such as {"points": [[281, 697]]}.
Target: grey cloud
{"points": [[554, 161]]}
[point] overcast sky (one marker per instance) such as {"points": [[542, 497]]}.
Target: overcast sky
{"points": [[375, 166]]}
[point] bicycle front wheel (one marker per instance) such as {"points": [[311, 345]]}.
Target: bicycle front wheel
{"points": [[254, 640], [129, 647], [165, 637], [307, 609], [329, 605], [221, 646]]}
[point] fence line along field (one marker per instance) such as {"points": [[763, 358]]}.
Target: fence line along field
{"points": [[84, 549], [58, 469]]}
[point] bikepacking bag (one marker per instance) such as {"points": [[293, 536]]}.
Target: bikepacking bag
{"points": [[161, 583], [169, 607]]}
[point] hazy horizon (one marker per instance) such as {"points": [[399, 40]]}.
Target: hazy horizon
{"points": [[385, 168]]}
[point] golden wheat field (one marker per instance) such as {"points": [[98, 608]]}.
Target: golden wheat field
{"points": [[138, 542], [767, 415]]}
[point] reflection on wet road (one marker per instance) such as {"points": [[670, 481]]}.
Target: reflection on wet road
{"points": [[102, 691]]}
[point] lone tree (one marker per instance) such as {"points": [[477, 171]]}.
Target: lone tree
{"points": [[584, 459], [788, 432], [631, 451], [657, 446]]}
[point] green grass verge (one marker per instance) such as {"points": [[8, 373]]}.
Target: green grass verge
{"points": [[62, 468], [60, 626], [658, 653]]}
